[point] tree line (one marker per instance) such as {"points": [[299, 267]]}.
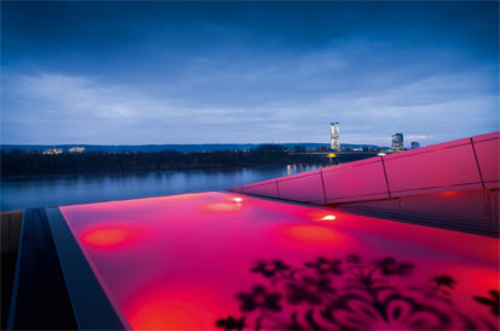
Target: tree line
{"points": [[16, 162]]}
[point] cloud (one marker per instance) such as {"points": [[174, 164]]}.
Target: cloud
{"points": [[418, 137], [261, 97], [174, 72]]}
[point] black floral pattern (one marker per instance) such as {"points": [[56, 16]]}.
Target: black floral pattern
{"points": [[270, 269], [492, 301], [324, 266], [310, 290], [444, 281], [354, 295], [231, 323], [259, 298], [389, 266], [394, 313]]}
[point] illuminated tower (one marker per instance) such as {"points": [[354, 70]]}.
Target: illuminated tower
{"points": [[397, 142], [335, 142]]}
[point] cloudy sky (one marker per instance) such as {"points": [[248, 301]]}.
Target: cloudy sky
{"points": [[235, 72]]}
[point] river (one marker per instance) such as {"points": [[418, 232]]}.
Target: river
{"points": [[42, 191]]}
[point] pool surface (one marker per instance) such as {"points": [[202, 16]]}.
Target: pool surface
{"points": [[219, 260]]}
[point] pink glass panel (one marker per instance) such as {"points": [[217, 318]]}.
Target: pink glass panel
{"points": [[494, 197], [185, 262], [267, 189], [359, 180], [488, 157], [437, 168], [238, 189], [389, 205], [456, 206], [307, 188], [487, 136]]}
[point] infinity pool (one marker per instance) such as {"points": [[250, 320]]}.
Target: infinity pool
{"points": [[219, 260]]}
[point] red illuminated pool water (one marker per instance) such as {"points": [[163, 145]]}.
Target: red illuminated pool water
{"points": [[218, 260]]}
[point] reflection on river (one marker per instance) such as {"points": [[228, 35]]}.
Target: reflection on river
{"points": [[29, 192]]}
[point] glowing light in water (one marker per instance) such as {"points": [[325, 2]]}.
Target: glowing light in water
{"points": [[107, 236]]}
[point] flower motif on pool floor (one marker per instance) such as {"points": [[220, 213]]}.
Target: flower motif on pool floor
{"points": [[353, 294], [270, 269], [493, 301], [259, 298], [324, 266]]}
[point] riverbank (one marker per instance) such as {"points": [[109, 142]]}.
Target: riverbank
{"points": [[16, 163]]}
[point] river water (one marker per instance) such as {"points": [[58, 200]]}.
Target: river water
{"points": [[42, 191]]}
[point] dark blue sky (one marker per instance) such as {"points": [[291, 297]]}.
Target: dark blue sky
{"points": [[236, 72]]}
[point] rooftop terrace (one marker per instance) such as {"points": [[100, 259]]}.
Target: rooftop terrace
{"points": [[309, 252]]}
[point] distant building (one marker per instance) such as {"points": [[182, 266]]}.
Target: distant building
{"points": [[52, 151], [397, 142], [77, 149], [335, 142], [415, 144]]}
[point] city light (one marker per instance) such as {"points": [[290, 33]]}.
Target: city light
{"points": [[328, 218], [238, 199]]}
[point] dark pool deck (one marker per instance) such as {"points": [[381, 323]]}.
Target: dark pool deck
{"points": [[227, 261]]}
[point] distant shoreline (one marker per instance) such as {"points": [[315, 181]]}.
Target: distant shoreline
{"points": [[18, 163], [188, 148]]}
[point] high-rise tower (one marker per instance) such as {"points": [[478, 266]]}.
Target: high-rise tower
{"points": [[335, 142], [397, 142]]}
